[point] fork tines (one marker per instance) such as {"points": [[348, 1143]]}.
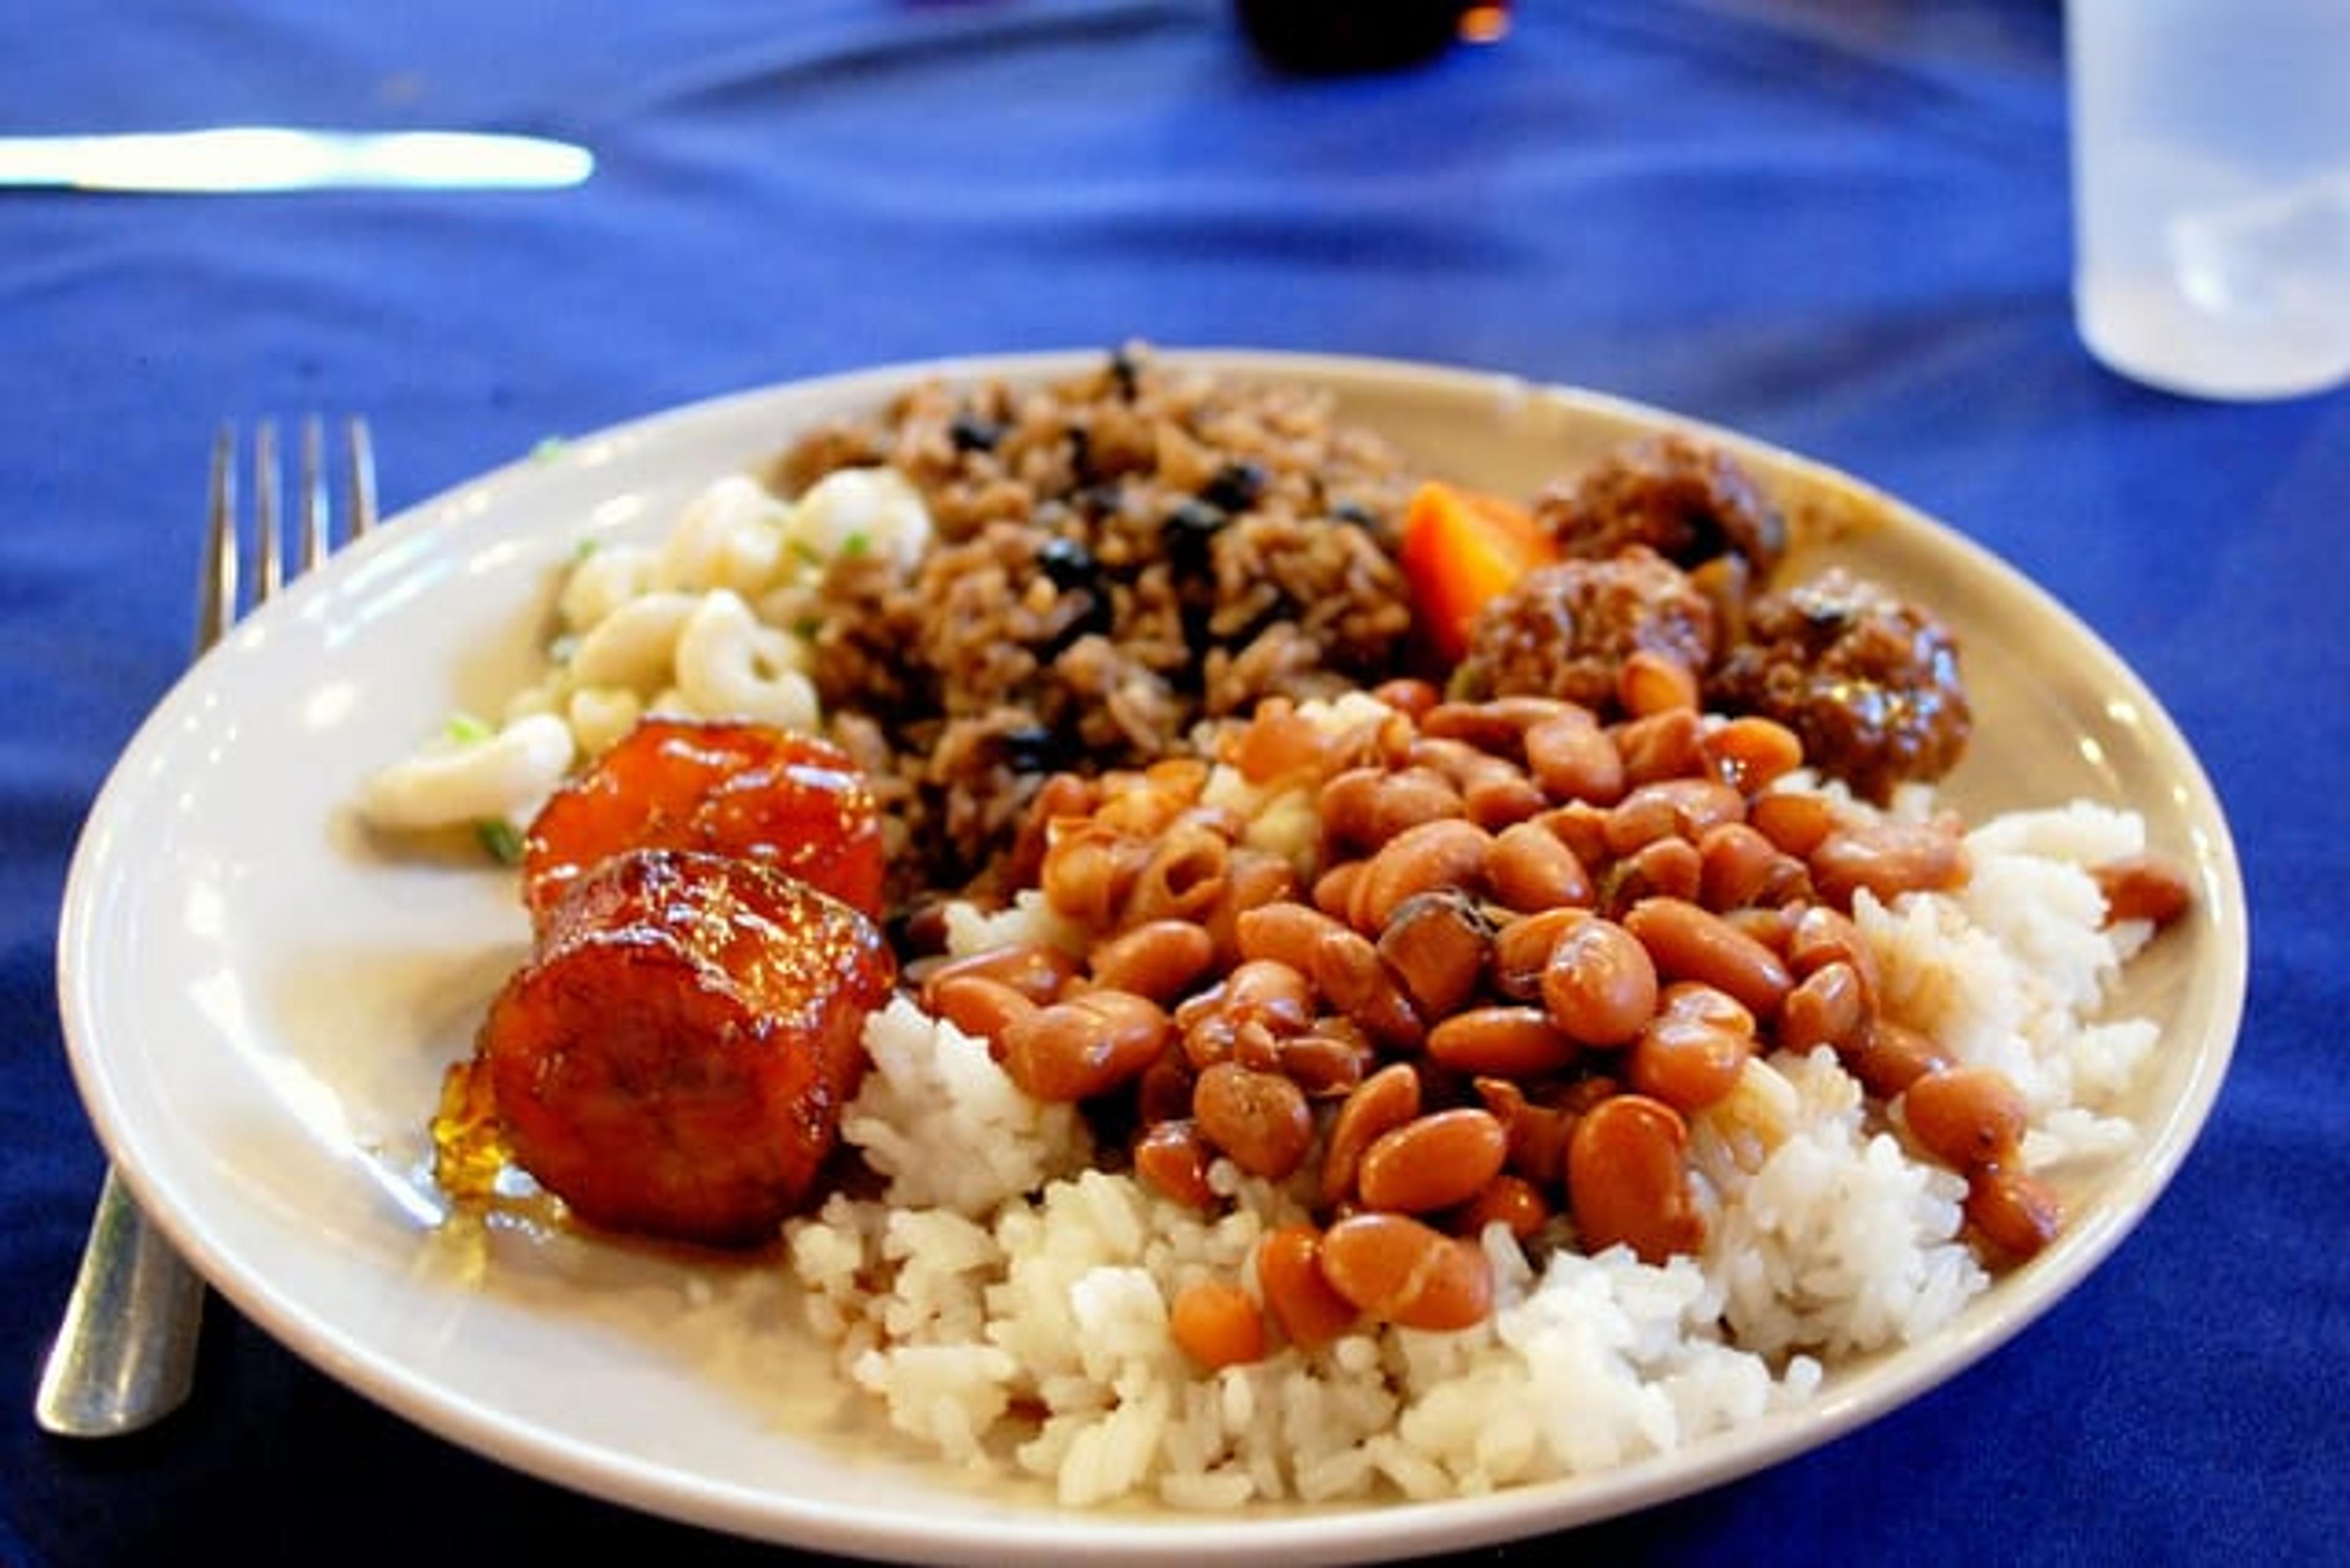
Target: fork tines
{"points": [[313, 511]]}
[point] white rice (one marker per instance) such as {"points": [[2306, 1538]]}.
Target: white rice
{"points": [[1007, 1306]]}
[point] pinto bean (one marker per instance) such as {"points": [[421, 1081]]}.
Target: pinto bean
{"points": [[1216, 1323], [1381, 1103], [1887, 859], [979, 1005], [1437, 944], [1650, 682], [1600, 983], [2144, 888], [1788, 885], [1706, 1004], [1037, 971], [1691, 1053], [1349, 971], [1172, 1157], [1510, 1202], [1641, 817], [1538, 1133], [1736, 865], [1255, 1045], [2013, 1209], [1284, 931], [1522, 949], [1334, 891], [1365, 806], [1889, 1057], [1671, 808], [1301, 1298], [1532, 868], [1386, 743], [1498, 726], [1510, 1041], [1148, 806], [1261, 990], [1163, 1091], [1449, 853], [1432, 1161], [1582, 826], [1966, 1116], [1665, 869], [1689, 941], [1660, 746], [1061, 798], [1398, 1270], [1409, 695], [1087, 873], [1823, 936], [1254, 878], [1796, 821], [1572, 759], [1575, 1098], [1278, 742], [1085, 1046], [1159, 959], [1768, 924], [1182, 877], [1627, 1181], [1328, 1063], [1750, 753], [1260, 1120], [1456, 759], [1829, 1006], [1211, 1037], [1495, 793]]}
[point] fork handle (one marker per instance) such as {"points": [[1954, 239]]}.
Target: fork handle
{"points": [[125, 1353]]}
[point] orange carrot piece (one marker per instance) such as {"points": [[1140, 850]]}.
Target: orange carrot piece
{"points": [[1460, 547]]}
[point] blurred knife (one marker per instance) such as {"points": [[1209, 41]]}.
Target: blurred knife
{"points": [[272, 157]]}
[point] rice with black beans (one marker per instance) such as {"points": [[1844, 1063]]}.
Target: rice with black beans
{"points": [[1120, 554]]}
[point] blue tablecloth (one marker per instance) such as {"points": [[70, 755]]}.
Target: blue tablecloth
{"points": [[1838, 225]]}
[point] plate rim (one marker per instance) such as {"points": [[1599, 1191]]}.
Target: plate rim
{"points": [[1385, 1529]]}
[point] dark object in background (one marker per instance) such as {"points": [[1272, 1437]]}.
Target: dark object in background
{"points": [[1332, 36]]}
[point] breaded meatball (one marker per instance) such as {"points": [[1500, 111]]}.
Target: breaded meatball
{"points": [[1564, 630], [1690, 503], [1868, 680]]}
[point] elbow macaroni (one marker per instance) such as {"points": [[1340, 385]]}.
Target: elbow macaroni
{"points": [[860, 509], [600, 715], [502, 775], [732, 535], [601, 581], [635, 646], [730, 665], [701, 623]]}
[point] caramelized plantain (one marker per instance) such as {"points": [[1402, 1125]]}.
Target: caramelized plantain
{"points": [[735, 789], [673, 1059]]}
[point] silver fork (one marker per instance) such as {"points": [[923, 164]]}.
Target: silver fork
{"points": [[125, 1354]]}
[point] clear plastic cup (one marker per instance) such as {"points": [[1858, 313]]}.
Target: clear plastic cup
{"points": [[2211, 191]]}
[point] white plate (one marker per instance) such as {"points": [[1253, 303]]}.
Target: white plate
{"points": [[259, 1005]]}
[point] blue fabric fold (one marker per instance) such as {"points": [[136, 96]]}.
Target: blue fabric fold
{"points": [[1841, 227]]}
